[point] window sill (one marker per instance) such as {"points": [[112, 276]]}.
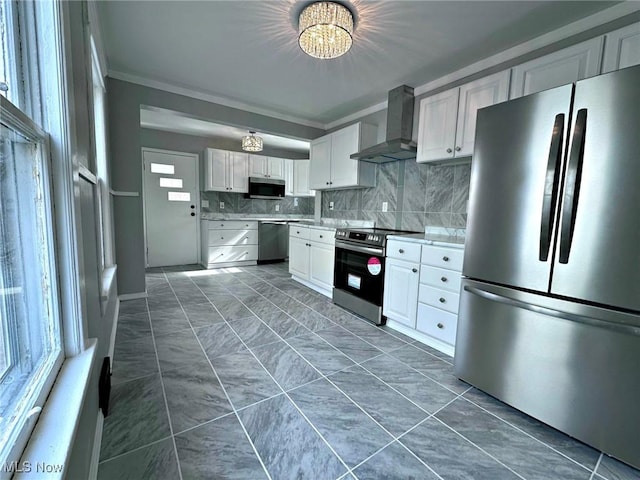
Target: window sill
{"points": [[49, 447]]}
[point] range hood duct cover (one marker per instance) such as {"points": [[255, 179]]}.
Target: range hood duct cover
{"points": [[398, 145]]}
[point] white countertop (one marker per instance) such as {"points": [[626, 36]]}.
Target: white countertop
{"points": [[451, 241]]}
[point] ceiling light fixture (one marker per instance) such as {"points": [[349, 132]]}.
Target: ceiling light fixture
{"points": [[325, 30], [251, 143]]}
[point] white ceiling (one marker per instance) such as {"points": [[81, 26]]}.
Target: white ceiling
{"points": [[170, 121], [247, 52]]}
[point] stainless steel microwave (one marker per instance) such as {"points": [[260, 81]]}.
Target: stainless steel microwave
{"points": [[269, 188]]}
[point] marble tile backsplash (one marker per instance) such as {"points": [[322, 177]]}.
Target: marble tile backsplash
{"points": [[236, 203], [417, 195]]}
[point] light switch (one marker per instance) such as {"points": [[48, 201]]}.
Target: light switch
{"points": [[330, 205], [385, 206], [205, 203], [295, 201], [221, 205], [277, 208]]}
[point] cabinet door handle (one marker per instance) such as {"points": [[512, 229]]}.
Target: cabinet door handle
{"points": [[445, 258], [221, 238], [193, 214], [444, 279], [298, 232], [458, 149], [414, 270], [440, 325], [320, 236], [449, 150], [401, 250], [442, 300]]}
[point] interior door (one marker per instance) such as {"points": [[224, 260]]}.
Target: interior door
{"points": [[516, 163], [599, 248], [171, 208]]}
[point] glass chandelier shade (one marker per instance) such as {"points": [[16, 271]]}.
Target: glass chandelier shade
{"points": [[251, 143], [325, 30]]}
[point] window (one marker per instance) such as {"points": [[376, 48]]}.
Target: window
{"points": [[31, 350]]}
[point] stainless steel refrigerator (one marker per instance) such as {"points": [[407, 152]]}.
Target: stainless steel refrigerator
{"points": [[549, 316]]}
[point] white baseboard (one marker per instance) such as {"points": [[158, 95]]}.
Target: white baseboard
{"points": [[97, 443], [422, 338], [133, 296]]}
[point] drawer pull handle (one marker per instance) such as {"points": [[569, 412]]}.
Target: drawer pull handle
{"points": [[414, 270], [298, 232], [444, 279], [445, 258], [221, 238], [320, 236], [442, 300], [440, 325], [401, 250]]}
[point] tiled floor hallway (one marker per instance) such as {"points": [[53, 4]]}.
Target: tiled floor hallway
{"points": [[244, 374]]}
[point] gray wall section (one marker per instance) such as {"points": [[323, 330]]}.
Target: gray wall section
{"points": [[127, 138]]}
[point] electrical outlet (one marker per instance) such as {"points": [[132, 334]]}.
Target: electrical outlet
{"points": [[277, 208], [330, 205], [205, 203], [221, 205], [385, 206], [295, 201]]}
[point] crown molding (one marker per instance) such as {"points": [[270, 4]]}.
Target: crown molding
{"points": [[610, 14], [147, 82]]}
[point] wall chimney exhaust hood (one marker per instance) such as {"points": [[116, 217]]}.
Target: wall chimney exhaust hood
{"points": [[398, 145]]}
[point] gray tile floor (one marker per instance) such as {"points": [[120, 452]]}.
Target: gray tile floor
{"points": [[244, 374]]}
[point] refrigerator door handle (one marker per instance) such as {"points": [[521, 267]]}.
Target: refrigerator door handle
{"points": [[595, 322], [551, 183], [572, 187]]}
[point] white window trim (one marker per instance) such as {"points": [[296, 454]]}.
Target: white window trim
{"points": [[52, 439]]}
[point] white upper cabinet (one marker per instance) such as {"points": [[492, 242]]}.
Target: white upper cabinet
{"points": [[622, 48], [320, 168], [268, 167], [447, 121], [331, 165], [288, 178], [558, 68], [226, 171], [301, 179]]}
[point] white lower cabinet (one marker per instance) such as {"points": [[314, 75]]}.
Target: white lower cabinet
{"points": [[228, 243], [401, 291], [422, 291], [311, 257]]}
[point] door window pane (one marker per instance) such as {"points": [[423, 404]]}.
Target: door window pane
{"points": [[179, 196], [165, 168], [171, 182]]}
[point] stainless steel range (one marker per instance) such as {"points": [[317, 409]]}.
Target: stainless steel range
{"points": [[358, 283]]}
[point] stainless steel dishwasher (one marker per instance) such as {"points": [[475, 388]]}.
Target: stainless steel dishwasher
{"points": [[273, 240]]}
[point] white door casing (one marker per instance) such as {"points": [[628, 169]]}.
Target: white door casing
{"points": [[171, 207]]}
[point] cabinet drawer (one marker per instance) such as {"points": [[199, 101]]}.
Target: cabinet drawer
{"points": [[442, 257], [232, 253], [440, 278], [232, 225], [437, 323], [407, 251], [321, 235], [299, 232], [442, 299], [233, 237]]}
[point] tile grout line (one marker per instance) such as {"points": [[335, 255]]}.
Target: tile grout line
{"points": [[115, 457], [594, 473], [394, 438], [164, 393], [255, 451], [515, 427]]}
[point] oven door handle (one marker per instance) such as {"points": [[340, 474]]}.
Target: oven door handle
{"points": [[359, 248]]}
